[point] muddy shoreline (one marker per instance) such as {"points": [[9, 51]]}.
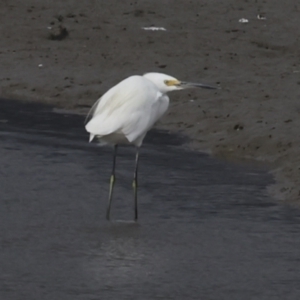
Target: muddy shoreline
{"points": [[255, 115]]}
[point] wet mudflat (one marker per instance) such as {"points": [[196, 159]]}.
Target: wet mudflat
{"points": [[207, 230]]}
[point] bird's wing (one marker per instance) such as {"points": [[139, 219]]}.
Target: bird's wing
{"points": [[91, 112], [144, 118], [108, 100], [125, 107]]}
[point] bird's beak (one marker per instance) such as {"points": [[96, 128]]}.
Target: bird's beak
{"points": [[188, 85]]}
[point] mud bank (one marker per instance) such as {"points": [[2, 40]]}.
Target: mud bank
{"points": [[69, 53]]}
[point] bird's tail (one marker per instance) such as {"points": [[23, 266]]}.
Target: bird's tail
{"points": [[91, 137]]}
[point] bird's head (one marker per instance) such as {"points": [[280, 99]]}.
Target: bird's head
{"points": [[166, 83]]}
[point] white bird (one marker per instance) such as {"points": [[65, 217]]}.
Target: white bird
{"points": [[127, 111]]}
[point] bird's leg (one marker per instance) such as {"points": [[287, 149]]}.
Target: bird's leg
{"points": [[112, 182], [135, 184]]}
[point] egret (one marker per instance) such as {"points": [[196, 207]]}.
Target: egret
{"points": [[127, 111]]}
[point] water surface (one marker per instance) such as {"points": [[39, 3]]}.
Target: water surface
{"points": [[207, 229]]}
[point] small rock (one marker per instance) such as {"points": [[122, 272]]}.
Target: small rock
{"points": [[261, 17], [238, 127], [58, 33]]}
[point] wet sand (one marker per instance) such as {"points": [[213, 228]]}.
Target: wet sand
{"points": [[254, 116]]}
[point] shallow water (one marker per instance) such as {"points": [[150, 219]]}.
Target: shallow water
{"points": [[207, 229]]}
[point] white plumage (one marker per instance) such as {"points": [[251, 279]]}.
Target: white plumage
{"points": [[126, 112]]}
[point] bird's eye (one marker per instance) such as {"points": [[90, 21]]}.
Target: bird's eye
{"points": [[166, 82]]}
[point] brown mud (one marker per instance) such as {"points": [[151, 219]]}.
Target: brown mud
{"points": [[69, 53]]}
